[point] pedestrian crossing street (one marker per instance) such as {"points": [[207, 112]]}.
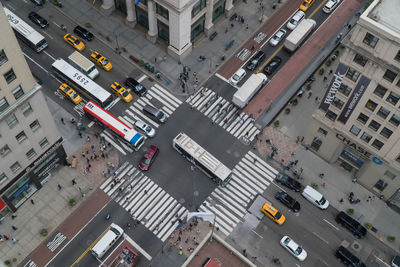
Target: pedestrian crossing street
{"points": [[251, 176], [145, 200], [224, 114]]}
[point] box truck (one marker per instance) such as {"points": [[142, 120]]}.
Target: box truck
{"points": [[299, 34], [83, 64], [246, 92]]}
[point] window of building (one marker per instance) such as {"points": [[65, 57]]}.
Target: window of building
{"points": [[389, 75], [380, 185], [11, 121], [31, 153], [393, 98], [3, 104], [3, 57], [386, 132], [144, 2], [26, 109], [395, 120], [15, 167], [43, 142], [337, 103], [383, 112], [18, 92], [4, 150], [366, 137], [355, 130], [390, 175], [377, 144], [162, 11], [362, 118], [3, 178], [370, 40], [371, 105], [398, 159], [323, 131], [352, 74], [316, 144], [199, 6], [10, 76], [397, 57], [380, 91], [34, 125], [359, 59], [20, 137], [398, 83], [331, 115], [344, 89], [374, 125]]}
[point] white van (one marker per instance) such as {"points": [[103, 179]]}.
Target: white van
{"points": [[106, 242], [315, 197], [83, 64]]}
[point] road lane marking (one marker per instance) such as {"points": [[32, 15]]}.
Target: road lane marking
{"points": [[142, 78], [379, 259], [318, 8], [320, 237], [257, 234], [337, 229], [51, 37]]}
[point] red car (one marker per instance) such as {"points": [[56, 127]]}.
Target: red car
{"points": [[148, 158]]}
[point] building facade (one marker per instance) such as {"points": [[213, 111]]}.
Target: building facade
{"points": [[177, 22], [30, 145], [357, 123]]}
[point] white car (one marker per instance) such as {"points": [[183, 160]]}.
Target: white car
{"points": [[293, 248], [144, 127], [330, 6], [237, 77], [295, 20], [279, 35]]}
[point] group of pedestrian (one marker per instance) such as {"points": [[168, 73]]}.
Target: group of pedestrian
{"points": [[4, 237], [299, 139]]}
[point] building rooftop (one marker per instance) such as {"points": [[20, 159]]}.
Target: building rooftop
{"points": [[386, 12]]}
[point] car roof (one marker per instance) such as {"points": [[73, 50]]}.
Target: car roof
{"points": [[140, 123], [240, 71], [299, 13], [293, 245], [330, 3]]}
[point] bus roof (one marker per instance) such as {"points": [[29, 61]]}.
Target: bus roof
{"points": [[23, 28], [90, 86]]}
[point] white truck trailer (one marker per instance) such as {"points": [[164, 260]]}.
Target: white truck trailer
{"points": [[246, 92], [83, 64], [299, 34]]}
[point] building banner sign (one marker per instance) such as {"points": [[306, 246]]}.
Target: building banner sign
{"points": [[333, 86], [354, 99]]}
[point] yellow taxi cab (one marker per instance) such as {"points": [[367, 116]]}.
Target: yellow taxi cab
{"points": [[74, 42], [121, 92], [100, 60], [306, 5], [273, 213], [70, 93]]}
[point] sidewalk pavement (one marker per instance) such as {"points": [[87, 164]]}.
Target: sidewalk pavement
{"points": [[338, 182], [132, 42]]}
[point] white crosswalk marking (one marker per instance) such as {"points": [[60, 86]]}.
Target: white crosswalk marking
{"points": [[250, 177], [145, 200], [223, 113]]}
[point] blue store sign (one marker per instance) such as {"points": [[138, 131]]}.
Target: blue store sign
{"points": [[377, 161]]}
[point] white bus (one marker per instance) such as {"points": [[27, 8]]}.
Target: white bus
{"points": [[83, 64], [107, 240], [202, 159], [25, 32], [68, 73]]}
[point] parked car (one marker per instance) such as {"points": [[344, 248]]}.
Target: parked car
{"points": [[345, 256], [273, 213], [137, 87], [279, 35], [272, 65], [121, 92], [306, 5], [330, 6], [38, 20], [237, 77], [74, 42], [145, 128], [396, 261], [288, 201], [255, 60], [149, 158], [293, 248], [38, 2], [288, 181], [83, 33], [351, 224], [295, 20], [101, 61]]}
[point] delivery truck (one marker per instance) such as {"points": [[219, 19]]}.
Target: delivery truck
{"points": [[299, 34], [246, 92]]}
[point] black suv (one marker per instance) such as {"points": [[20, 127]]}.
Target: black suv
{"points": [[288, 201], [83, 33], [136, 86], [288, 181], [355, 227], [272, 65], [254, 61], [38, 20], [348, 258]]}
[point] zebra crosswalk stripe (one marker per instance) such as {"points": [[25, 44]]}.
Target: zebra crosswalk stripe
{"points": [[167, 93]]}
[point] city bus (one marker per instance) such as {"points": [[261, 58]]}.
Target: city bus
{"points": [[25, 32], [68, 73], [100, 115], [193, 152]]}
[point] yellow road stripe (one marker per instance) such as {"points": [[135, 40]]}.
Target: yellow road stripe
{"points": [[269, 59], [318, 8]]}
